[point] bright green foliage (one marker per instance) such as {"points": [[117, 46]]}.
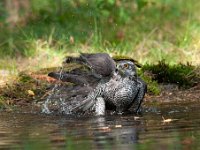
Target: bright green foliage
{"points": [[148, 30]]}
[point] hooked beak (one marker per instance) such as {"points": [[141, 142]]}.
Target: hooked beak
{"points": [[132, 75]]}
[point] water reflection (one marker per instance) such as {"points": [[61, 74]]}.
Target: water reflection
{"points": [[112, 132], [39, 131]]}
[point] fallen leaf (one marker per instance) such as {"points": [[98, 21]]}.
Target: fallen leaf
{"points": [[136, 118], [31, 93], [167, 120], [103, 128], [118, 126], [106, 129]]}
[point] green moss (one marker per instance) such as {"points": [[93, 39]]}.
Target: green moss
{"points": [[24, 78], [2, 102], [152, 85], [181, 74]]}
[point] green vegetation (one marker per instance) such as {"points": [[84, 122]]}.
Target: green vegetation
{"points": [[183, 75], [147, 30], [152, 85]]}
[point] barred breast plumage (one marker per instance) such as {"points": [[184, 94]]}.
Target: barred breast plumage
{"points": [[119, 94]]}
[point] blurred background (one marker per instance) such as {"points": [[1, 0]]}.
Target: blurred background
{"points": [[36, 34]]}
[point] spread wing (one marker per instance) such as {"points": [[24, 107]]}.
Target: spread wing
{"points": [[99, 63], [73, 96], [102, 63]]}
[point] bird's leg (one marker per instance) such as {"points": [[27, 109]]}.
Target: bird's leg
{"points": [[119, 110], [100, 106]]}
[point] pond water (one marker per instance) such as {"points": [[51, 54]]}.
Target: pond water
{"points": [[148, 131]]}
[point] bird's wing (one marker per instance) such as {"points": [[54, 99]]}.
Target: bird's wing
{"points": [[91, 99], [102, 63], [142, 89], [83, 106], [69, 98], [67, 77]]}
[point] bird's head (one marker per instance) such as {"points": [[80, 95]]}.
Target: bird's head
{"points": [[126, 68]]}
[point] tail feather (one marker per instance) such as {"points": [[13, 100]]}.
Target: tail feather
{"points": [[83, 106], [67, 77]]}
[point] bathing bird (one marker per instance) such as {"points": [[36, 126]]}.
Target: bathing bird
{"points": [[108, 84], [123, 90]]}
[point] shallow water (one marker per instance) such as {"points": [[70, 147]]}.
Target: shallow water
{"points": [[148, 131]]}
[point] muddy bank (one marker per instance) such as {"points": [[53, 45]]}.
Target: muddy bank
{"points": [[171, 93]]}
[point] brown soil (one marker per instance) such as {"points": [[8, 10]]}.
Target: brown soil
{"points": [[171, 93]]}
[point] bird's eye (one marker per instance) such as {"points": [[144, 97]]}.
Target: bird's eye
{"points": [[125, 65]]}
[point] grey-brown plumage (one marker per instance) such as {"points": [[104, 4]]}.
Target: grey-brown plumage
{"points": [[122, 91], [118, 88], [100, 63]]}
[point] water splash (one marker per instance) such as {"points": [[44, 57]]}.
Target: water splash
{"points": [[48, 101], [45, 108]]}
